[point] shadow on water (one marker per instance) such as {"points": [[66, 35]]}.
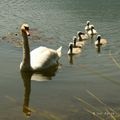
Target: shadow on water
{"points": [[27, 76]]}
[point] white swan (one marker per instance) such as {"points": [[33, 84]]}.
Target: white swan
{"points": [[82, 36], [92, 31], [76, 43], [100, 41], [38, 59], [73, 50]]}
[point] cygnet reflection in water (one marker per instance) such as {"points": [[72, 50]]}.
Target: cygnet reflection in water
{"points": [[98, 48], [70, 57], [27, 76]]}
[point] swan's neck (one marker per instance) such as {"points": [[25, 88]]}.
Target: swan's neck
{"points": [[26, 52]]}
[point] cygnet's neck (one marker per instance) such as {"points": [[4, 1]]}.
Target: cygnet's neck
{"points": [[74, 43], [99, 41], [80, 38], [71, 49]]}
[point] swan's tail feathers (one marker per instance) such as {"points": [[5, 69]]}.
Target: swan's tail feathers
{"points": [[59, 51]]}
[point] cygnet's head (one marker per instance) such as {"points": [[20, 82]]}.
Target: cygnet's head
{"points": [[88, 22], [70, 45], [74, 38], [92, 27], [79, 33], [98, 37], [25, 28]]}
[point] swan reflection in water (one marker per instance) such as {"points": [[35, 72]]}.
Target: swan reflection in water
{"points": [[27, 76]]}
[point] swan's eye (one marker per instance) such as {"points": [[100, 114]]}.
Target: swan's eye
{"points": [[27, 28]]}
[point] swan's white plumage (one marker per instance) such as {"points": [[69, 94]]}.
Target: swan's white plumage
{"points": [[39, 58], [43, 57]]}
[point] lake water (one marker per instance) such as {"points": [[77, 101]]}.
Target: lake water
{"points": [[55, 96]]}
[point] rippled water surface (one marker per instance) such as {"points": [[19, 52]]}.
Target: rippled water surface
{"points": [[55, 94]]}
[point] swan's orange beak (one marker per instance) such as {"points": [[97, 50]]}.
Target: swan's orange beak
{"points": [[28, 33]]}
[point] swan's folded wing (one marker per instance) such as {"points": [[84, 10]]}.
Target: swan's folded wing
{"points": [[59, 51], [43, 57]]}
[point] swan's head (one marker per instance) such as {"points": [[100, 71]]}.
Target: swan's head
{"points": [[99, 37], [25, 28], [88, 22]]}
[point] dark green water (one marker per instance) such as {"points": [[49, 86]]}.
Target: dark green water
{"points": [[55, 22]]}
